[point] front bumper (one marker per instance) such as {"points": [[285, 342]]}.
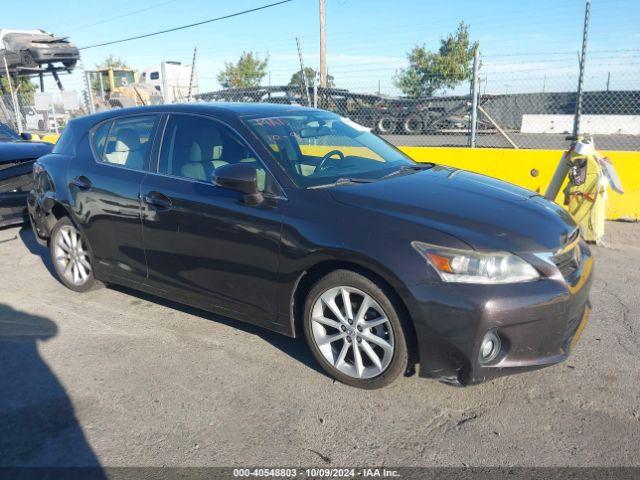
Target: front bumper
{"points": [[538, 323], [66, 54]]}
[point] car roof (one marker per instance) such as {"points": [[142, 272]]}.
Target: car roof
{"points": [[220, 108]]}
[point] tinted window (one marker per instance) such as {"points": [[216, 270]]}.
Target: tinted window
{"points": [[193, 147], [317, 148], [128, 142], [154, 76], [99, 138]]}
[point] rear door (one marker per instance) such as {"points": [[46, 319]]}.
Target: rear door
{"points": [[105, 188], [202, 242]]}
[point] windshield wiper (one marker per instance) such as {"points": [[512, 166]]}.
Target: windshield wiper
{"points": [[408, 168], [343, 181]]}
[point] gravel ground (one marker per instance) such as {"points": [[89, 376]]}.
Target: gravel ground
{"points": [[117, 378]]}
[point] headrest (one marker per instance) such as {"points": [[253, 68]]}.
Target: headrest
{"points": [[195, 152], [127, 140]]}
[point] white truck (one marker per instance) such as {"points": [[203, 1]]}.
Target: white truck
{"points": [[173, 80]]}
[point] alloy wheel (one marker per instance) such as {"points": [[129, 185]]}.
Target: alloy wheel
{"points": [[71, 256], [352, 332]]}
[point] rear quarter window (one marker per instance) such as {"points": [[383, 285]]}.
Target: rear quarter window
{"points": [[99, 138]]}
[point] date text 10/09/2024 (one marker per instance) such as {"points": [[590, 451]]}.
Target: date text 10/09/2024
{"points": [[316, 472]]}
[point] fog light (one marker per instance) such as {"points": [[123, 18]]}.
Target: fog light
{"points": [[490, 347]]}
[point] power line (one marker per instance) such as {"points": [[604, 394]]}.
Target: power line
{"points": [[117, 17], [137, 37]]}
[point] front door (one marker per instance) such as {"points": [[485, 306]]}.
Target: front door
{"points": [[202, 242], [105, 188]]}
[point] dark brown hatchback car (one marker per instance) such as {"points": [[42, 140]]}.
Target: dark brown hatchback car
{"points": [[305, 223]]}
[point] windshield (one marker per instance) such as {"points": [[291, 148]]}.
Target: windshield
{"points": [[6, 134], [320, 148]]}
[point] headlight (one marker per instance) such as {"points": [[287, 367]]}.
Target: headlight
{"points": [[469, 266]]}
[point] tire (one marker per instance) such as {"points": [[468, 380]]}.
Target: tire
{"points": [[333, 341], [77, 277], [413, 125], [386, 125]]}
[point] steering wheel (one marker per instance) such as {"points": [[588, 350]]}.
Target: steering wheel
{"points": [[327, 156]]}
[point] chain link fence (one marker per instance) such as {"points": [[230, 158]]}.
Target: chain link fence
{"points": [[526, 115], [518, 108], [41, 113]]}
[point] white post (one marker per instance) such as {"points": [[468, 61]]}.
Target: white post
{"points": [[474, 99], [92, 105], [315, 93], [14, 97], [165, 85], [55, 117]]}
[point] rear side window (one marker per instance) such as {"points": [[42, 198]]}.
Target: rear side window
{"points": [[127, 142], [193, 147], [99, 138]]}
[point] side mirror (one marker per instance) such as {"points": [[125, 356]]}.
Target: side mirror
{"points": [[26, 136], [240, 177]]}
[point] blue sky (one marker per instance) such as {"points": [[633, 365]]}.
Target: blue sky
{"points": [[525, 45]]}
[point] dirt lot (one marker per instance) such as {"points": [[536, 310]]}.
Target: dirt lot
{"points": [[117, 378]]}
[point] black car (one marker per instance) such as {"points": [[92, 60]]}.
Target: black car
{"points": [[303, 222], [17, 155], [31, 49]]}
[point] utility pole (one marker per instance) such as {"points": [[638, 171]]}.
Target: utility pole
{"points": [[303, 77], [323, 48], [193, 73], [608, 80], [583, 58]]}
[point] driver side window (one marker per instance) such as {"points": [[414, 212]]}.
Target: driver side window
{"points": [[193, 147]]}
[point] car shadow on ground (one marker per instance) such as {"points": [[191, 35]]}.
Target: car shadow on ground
{"points": [[28, 238], [296, 348], [38, 422]]}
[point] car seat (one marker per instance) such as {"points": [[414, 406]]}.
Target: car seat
{"points": [[128, 151], [202, 151]]}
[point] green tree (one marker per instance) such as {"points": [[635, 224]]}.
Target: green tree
{"points": [[113, 62], [428, 71], [24, 89], [310, 75], [246, 73]]}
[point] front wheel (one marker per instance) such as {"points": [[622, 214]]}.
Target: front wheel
{"points": [[71, 256], [354, 331]]}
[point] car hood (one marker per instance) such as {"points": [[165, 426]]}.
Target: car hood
{"points": [[23, 150], [481, 211]]}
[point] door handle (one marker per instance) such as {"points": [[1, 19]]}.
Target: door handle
{"points": [[82, 182], [157, 200]]}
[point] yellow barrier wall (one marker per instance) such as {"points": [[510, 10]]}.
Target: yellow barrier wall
{"points": [[515, 166]]}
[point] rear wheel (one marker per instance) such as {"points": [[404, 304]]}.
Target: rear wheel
{"points": [[71, 256], [354, 331]]}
